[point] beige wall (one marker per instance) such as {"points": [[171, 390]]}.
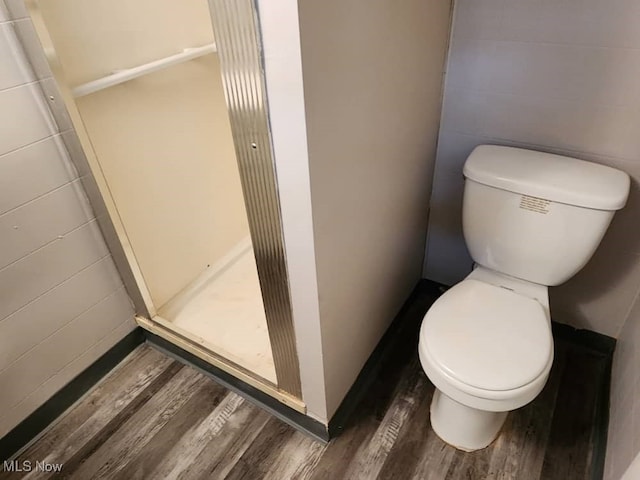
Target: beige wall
{"points": [[372, 84], [554, 76], [62, 303], [624, 421], [163, 141]]}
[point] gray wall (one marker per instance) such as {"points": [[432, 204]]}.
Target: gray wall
{"points": [[62, 303], [624, 421], [372, 75], [553, 76]]}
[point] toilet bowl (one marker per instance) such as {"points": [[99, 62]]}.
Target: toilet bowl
{"points": [[530, 220], [487, 350]]}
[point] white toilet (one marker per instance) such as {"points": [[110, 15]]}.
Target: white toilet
{"points": [[530, 220]]}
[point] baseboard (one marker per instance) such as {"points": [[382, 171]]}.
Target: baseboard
{"points": [[602, 426], [402, 331], [287, 414], [41, 418], [604, 346], [596, 342]]}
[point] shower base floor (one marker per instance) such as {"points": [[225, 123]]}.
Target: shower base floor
{"points": [[225, 309]]}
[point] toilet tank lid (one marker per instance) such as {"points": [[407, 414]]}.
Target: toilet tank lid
{"points": [[551, 177]]}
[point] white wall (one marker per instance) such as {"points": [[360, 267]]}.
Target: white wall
{"points": [[372, 85], [553, 76], [624, 421], [62, 303]]}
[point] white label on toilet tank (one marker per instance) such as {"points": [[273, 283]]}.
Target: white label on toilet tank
{"points": [[539, 205]]}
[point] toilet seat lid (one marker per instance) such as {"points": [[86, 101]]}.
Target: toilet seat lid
{"points": [[488, 337]]}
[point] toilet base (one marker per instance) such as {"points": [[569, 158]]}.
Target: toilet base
{"points": [[463, 427]]}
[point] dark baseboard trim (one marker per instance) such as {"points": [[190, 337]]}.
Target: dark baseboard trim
{"points": [[603, 346], [596, 342], [41, 418], [405, 325], [287, 414], [602, 425]]}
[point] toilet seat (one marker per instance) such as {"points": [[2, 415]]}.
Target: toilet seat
{"points": [[487, 338]]}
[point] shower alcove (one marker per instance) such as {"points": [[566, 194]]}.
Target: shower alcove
{"points": [[179, 148]]}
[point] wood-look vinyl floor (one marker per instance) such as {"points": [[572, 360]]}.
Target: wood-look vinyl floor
{"points": [[154, 418]]}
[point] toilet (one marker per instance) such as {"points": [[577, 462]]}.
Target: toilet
{"points": [[530, 220]]}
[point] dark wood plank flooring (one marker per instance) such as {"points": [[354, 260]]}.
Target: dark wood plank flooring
{"points": [[154, 418]]}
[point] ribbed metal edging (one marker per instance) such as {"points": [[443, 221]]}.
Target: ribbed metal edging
{"points": [[236, 30]]}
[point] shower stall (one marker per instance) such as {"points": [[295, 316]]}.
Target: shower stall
{"points": [[167, 101]]}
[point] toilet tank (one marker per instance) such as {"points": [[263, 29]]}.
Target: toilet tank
{"points": [[537, 216]]}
